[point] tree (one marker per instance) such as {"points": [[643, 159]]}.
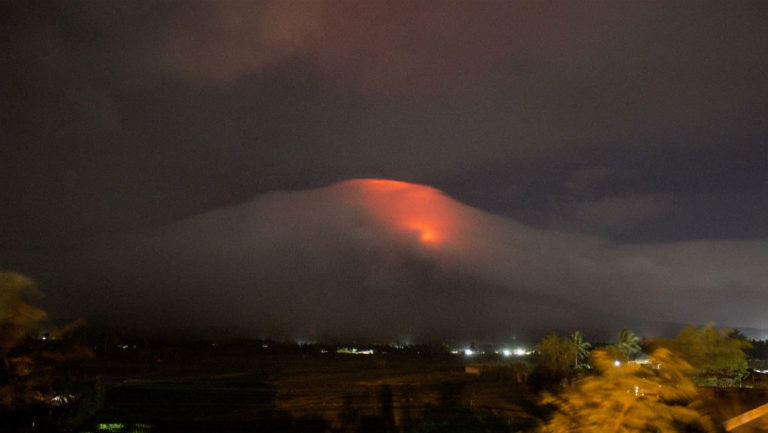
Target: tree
{"points": [[17, 317], [628, 398], [628, 343], [582, 347], [710, 351], [555, 355], [34, 375]]}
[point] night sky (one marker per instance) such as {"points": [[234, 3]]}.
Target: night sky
{"points": [[564, 165]]}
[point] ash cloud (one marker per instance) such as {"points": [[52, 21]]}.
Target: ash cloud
{"points": [[613, 130], [320, 263], [120, 116]]}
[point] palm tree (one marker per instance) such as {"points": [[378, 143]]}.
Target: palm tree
{"points": [[582, 347], [629, 343]]}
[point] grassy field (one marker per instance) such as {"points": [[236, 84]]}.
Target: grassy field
{"points": [[247, 389]]}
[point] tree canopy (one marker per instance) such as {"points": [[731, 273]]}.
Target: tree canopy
{"points": [[629, 397], [710, 350], [556, 354], [17, 317], [28, 373]]}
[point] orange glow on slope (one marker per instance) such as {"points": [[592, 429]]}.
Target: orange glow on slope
{"points": [[418, 211], [427, 236]]}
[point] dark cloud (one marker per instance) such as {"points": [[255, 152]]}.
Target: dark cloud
{"points": [[636, 123], [333, 262]]}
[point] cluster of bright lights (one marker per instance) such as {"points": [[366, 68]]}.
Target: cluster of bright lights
{"points": [[504, 352], [466, 352], [516, 352], [354, 351]]}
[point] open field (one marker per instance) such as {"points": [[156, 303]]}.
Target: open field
{"points": [[244, 389]]}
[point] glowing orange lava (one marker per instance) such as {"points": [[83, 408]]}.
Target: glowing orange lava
{"points": [[427, 236], [419, 211]]}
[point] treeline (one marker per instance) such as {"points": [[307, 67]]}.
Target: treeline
{"points": [[718, 357]]}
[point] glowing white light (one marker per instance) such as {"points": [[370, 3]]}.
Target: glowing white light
{"points": [[520, 352], [454, 352], [354, 351], [469, 352], [507, 352], [616, 363]]}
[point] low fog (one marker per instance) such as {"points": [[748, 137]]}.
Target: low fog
{"points": [[394, 261]]}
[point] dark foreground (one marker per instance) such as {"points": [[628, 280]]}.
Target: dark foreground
{"points": [[247, 389], [263, 389]]}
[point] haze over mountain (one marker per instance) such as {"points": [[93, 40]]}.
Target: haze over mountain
{"points": [[387, 260], [611, 156]]}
